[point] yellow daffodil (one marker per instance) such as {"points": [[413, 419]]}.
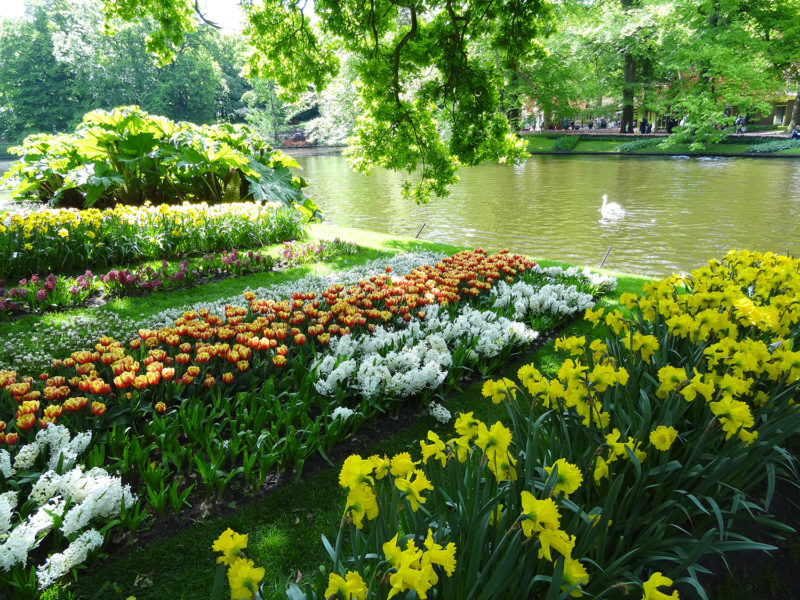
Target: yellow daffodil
{"points": [[435, 554], [655, 581], [670, 379], [600, 469], [230, 544], [361, 502], [662, 437], [538, 515], [568, 477], [558, 540], [572, 345], [244, 578], [402, 465], [413, 487], [499, 390], [436, 449], [349, 587], [574, 576], [466, 425], [356, 471]]}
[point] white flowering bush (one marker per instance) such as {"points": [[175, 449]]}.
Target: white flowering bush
{"points": [[63, 498]]}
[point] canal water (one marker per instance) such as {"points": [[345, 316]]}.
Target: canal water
{"points": [[679, 211]]}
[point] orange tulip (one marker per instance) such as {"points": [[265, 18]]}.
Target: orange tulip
{"points": [[24, 422]]}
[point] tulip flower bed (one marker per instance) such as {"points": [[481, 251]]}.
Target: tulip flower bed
{"points": [[650, 448], [216, 402], [60, 240]]}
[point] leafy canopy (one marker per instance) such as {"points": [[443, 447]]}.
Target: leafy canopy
{"points": [[428, 100]]}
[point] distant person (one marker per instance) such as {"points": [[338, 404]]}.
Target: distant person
{"points": [[649, 128], [643, 125], [602, 123], [591, 125], [796, 133], [738, 124]]}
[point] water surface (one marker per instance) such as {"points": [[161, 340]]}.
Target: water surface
{"points": [[680, 211]]}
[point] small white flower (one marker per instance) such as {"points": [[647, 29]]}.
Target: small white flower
{"points": [[341, 412], [439, 412]]}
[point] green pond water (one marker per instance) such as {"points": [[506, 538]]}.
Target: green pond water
{"points": [[679, 211]]}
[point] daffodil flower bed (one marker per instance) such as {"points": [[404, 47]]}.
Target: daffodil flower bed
{"points": [[60, 240], [238, 401], [647, 450]]}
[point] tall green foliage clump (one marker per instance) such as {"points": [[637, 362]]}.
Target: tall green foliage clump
{"points": [[128, 156]]}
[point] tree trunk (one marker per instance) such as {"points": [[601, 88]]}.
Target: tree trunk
{"points": [[629, 77], [626, 123], [795, 120]]}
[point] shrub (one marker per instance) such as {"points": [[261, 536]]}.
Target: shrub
{"points": [[566, 143], [128, 156], [774, 146], [639, 144]]}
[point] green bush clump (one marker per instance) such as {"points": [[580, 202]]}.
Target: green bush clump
{"points": [[127, 156], [774, 146], [639, 144], [566, 143]]}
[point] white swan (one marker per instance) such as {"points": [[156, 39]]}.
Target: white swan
{"points": [[611, 210]]}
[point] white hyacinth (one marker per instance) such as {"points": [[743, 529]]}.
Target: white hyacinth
{"points": [[5, 464], [25, 537], [439, 412], [61, 563], [341, 412], [8, 502], [27, 455]]}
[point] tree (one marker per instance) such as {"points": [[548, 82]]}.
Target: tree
{"points": [[36, 90], [266, 112], [57, 64], [337, 107], [419, 76]]}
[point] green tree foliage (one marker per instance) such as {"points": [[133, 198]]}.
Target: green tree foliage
{"points": [[337, 107], [128, 156], [704, 60], [57, 64], [427, 100], [36, 91]]}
